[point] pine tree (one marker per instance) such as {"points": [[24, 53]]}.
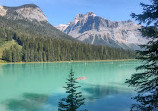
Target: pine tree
{"points": [[146, 82], [74, 99]]}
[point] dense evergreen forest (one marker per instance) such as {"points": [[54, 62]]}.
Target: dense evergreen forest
{"points": [[39, 48]]}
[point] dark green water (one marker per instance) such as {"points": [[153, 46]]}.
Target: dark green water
{"points": [[38, 86]]}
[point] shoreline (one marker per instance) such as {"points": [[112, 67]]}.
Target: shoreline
{"points": [[4, 62]]}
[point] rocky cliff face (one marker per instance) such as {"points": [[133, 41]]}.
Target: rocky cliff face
{"points": [[93, 29], [29, 12]]}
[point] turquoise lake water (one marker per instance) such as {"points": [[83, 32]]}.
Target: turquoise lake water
{"points": [[39, 86]]}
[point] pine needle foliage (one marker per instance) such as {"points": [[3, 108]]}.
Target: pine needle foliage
{"points": [[146, 82], [74, 99]]}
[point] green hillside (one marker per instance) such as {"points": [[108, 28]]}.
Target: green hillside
{"points": [[33, 28], [41, 49], [33, 41]]}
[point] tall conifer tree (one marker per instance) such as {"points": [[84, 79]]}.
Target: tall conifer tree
{"points": [[74, 99], [146, 82]]}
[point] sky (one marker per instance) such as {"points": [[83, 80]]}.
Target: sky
{"points": [[64, 11]]}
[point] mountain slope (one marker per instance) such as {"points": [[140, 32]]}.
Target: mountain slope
{"points": [[93, 29], [30, 12], [26, 35], [29, 19]]}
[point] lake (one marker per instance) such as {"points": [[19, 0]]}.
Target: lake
{"points": [[39, 86]]}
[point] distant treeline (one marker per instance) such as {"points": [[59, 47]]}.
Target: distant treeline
{"points": [[36, 49]]}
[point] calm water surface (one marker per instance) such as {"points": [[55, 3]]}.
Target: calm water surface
{"points": [[38, 86]]}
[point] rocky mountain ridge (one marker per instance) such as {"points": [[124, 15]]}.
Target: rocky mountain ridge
{"points": [[96, 30], [29, 11], [30, 20]]}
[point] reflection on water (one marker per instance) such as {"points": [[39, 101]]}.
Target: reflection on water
{"points": [[108, 98], [29, 102], [95, 96], [94, 92], [32, 102]]}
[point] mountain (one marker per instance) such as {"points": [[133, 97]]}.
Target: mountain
{"points": [[96, 30], [30, 12], [27, 36], [29, 19]]}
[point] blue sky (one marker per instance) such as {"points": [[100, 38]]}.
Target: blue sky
{"points": [[64, 11]]}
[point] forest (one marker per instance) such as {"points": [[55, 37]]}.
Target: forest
{"points": [[37, 48]]}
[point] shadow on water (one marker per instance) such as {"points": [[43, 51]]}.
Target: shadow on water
{"points": [[29, 102]]}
